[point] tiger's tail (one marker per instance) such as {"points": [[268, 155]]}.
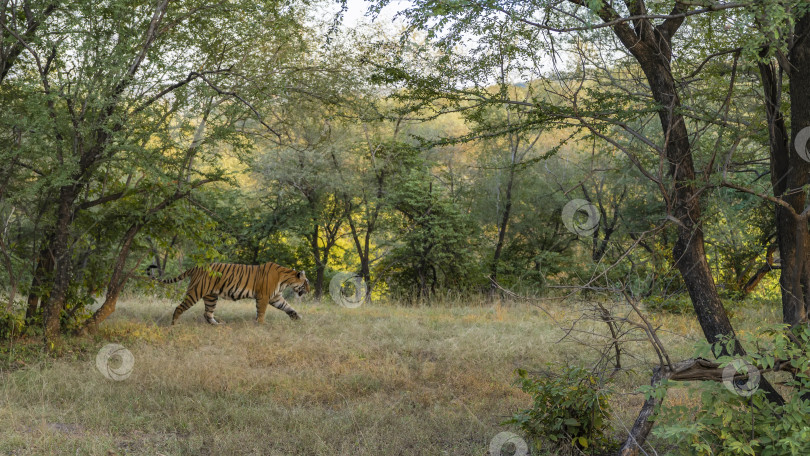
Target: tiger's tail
{"points": [[174, 280]]}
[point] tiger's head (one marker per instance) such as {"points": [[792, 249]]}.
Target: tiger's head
{"points": [[300, 285]]}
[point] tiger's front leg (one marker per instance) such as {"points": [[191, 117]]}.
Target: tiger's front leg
{"points": [[279, 303], [210, 305], [261, 308]]}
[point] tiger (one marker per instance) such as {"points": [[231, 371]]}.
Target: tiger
{"points": [[262, 282]]}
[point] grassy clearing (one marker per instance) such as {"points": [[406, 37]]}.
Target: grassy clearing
{"points": [[376, 380]]}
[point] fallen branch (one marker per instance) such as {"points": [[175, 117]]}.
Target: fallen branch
{"points": [[694, 369]]}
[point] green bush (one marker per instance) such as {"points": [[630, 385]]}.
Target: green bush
{"points": [[11, 324], [570, 411], [729, 423]]}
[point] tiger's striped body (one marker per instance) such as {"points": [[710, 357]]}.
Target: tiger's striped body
{"points": [[263, 282]]}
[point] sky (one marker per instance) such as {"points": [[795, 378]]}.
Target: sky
{"points": [[356, 10]]}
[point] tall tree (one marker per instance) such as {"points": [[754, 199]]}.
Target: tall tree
{"points": [[790, 168], [96, 92]]}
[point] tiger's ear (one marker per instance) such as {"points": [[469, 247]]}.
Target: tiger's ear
{"points": [[301, 275]]}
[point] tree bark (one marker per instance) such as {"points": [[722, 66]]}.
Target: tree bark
{"points": [[507, 210], [788, 171], [119, 277], [115, 285], [797, 274], [42, 270], [363, 248], [644, 422], [694, 369], [60, 249], [12, 294], [320, 267]]}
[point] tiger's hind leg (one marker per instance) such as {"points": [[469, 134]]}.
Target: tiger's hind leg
{"points": [[210, 304], [188, 301]]}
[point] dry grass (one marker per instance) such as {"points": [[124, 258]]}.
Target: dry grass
{"points": [[376, 380]]}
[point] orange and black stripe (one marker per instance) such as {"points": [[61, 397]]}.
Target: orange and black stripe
{"points": [[264, 283]]}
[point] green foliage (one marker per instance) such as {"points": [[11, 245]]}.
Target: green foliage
{"points": [[737, 254], [11, 324], [314, 164], [114, 113], [728, 423], [569, 411], [435, 249]]}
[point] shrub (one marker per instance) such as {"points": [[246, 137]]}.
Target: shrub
{"points": [[11, 324], [570, 411], [729, 423]]}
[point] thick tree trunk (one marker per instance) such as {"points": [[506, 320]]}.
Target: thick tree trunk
{"points": [[796, 276], [60, 249], [651, 46], [788, 171]]}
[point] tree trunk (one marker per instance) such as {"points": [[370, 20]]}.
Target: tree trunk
{"points": [[319, 266], [364, 248], [797, 275], [12, 294], [688, 251], [365, 272], [119, 278], [115, 285], [763, 270], [320, 272], [644, 422], [60, 249], [652, 48], [43, 269], [507, 209], [789, 172]]}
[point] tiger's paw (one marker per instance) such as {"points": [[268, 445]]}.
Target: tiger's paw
{"points": [[294, 315], [212, 321]]}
